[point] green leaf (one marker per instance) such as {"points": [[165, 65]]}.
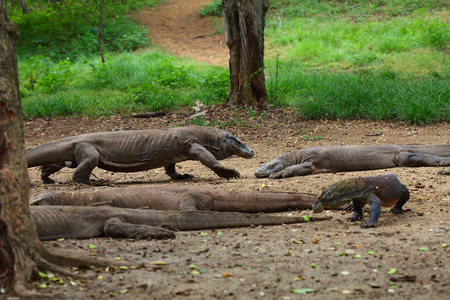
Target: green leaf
{"points": [[444, 245], [423, 249], [298, 242], [302, 291], [307, 218], [92, 246], [60, 240], [313, 266], [42, 275], [357, 256], [220, 233], [193, 266], [392, 271], [203, 234], [371, 253]]}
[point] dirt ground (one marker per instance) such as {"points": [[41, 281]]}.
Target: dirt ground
{"points": [[268, 262], [335, 258]]}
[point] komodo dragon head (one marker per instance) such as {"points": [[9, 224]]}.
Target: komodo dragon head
{"points": [[342, 192], [223, 144], [273, 166]]}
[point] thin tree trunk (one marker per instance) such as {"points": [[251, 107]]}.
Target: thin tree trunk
{"points": [[99, 32], [23, 3], [244, 22]]}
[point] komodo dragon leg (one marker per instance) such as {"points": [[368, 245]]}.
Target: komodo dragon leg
{"points": [[398, 207], [375, 211], [119, 228], [295, 170], [48, 170], [171, 171], [200, 153], [86, 157], [408, 159]]}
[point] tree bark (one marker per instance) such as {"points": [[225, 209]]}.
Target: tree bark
{"points": [[244, 22], [23, 3], [19, 244], [99, 31]]}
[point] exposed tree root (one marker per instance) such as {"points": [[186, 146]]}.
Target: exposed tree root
{"points": [[64, 257]]}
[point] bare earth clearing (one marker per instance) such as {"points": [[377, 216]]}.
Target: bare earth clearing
{"points": [[267, 262], [335, 258]]}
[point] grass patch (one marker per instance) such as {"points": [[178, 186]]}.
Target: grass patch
{"points": [[330, 59]]}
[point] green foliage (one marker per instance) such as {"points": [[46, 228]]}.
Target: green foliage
{"points": [[68, 29], [150, 81], [214, 8], [371, 95], [337, 59]]}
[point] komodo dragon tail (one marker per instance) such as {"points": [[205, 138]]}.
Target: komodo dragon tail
{"points": [[51, 153], [196, 220]]}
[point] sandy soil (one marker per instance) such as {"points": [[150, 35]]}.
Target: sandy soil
{"points": [[268, 262], [335, 258]]}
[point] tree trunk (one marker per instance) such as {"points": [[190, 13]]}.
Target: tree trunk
{"points": [[244, 22], [24, 6], [99, 31], [19, 244]]}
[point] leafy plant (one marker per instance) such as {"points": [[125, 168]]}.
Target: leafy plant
{"points": [[212, 9]]}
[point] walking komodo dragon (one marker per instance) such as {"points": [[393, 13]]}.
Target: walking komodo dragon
{"points": [[80, 222], [326, 159], [170, 197], [377, 191], [134, 151]]}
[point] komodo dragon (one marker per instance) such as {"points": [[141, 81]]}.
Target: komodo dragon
{"points": [[377, 191], [164, 197], [326, 159], [134, 151], [80, 222]]}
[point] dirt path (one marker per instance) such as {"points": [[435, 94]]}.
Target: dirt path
{"points": [[336, 258], [177, 26]]}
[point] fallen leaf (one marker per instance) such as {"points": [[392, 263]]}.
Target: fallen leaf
{"points": [[392, 271], [92, 246], [227, 274], [302, 291], [423, 249], [158, 263]]}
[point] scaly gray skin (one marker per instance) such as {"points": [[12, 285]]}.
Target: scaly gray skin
{"points": [[164, 197], [377, 191], [80, 222], [328, 159], [134, 151]]}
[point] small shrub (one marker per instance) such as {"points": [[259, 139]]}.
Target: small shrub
{"points": [[212, 9]]}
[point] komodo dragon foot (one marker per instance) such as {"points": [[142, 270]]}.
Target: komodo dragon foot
{"points": [[396, 210]]}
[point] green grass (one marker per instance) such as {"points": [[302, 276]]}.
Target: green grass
{"points": [[330, 59], [153, 80]]}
